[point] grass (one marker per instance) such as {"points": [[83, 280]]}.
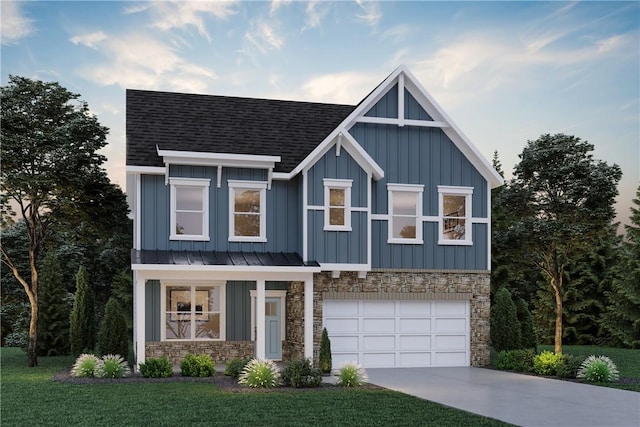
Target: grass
{"points": [[627, 361], [29, 397]]}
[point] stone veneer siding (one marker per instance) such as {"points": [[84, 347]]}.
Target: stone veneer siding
{"points": [[442, 285]]}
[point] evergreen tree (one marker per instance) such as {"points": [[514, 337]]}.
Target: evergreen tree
{"points": [[53, 321], [527, 334], [325, 352], [622, 317], [113, 337], [505, 328], [83, 318]]}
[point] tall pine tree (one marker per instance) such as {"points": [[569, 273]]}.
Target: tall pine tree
{"points": [[83, 317]]}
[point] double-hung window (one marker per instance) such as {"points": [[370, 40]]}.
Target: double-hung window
{"points": [[247, 211], [454, 214], [405, 213], [337, 204], [193, 311], [189, 209]]}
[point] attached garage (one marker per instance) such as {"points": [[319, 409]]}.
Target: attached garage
{"points": [[398, 333]]}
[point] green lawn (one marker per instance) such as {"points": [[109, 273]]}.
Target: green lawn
{"points": [[30, 398], [627, 361]]}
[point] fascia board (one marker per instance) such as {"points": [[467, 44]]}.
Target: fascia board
{"points": [[145, 170], [363, 158], [217, 159]]}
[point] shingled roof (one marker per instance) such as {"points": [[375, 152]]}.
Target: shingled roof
{"points": [[222, 124]]}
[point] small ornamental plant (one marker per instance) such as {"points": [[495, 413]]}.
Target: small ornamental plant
{"points": [[111, 366], [156, 368], [598, 369], [197, 366], [546, 363], [234, 367], [300, 373], [85, 366], [260, 374], [350, 374]]}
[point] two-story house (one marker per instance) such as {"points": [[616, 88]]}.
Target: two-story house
{"points": [[259, 222]]}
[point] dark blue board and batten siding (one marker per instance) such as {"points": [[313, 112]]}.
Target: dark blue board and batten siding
{"points": [[283, 212], [237, 306], [387, 107], [344, 247], [426, 156]]}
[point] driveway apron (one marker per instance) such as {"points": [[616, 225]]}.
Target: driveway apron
{"points": [[523, 400]]}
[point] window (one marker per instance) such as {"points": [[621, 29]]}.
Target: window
{"points": [[189, 209], [193, 312], [337, 204], [247, 207], [405, 213], [455, 215]]}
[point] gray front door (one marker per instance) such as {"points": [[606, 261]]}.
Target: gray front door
{"points": [[273, 340]]}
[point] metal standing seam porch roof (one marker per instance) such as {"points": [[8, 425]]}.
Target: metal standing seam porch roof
{"points": [[218, 258]]}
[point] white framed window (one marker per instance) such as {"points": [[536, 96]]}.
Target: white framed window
{"points": [[189, 199], [337, 204], [247, 211], [454, 215], [193, 311], [405, 213]]}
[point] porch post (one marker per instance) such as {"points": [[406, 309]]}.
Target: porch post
{"points": [[308, 318], [260, 320], [139, 318]]}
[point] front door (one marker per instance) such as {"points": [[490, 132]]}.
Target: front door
{"points": [[273, 340]]}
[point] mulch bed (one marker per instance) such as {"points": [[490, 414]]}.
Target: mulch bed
{"points": [[224, 382]]}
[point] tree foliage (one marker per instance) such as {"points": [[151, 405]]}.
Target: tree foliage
{"points": [[622, 316], [559, 199], [83, 317], [113, 337], [53, 321], [51, 175], [525, 320]]}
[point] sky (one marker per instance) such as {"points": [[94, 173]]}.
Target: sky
{"points": [[505, 72]]}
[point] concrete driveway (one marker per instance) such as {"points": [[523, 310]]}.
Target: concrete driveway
{"points": [[518, 399]]}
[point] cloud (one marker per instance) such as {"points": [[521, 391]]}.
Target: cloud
{"points": [[142, 62], [90, 40], [314, 14], [276, 4], [182, 14], [342, 88], [371, 14], [264, 37], [14, 25], [398, 33]]}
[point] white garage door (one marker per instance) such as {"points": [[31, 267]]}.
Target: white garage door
{"points": [[398, 333]]}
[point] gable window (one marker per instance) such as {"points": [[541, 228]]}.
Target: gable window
{"points": [[247, 211], [337, 204], [405, 213], [454, 215], [189, 209], [193, 312]]}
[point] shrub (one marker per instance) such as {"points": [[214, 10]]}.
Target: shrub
{"points": [[111, 366], [234, 367], [350, 374], [546, 363], [85, 366], [505, 328], [527, 334], [260, 374], [113, 337], [197, 366], [568, 366], [300, 373], [598, 369], [516, 360], [156, 368], [325, 352]]}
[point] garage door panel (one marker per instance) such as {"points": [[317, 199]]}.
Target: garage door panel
{"points": [[345, 343], [415, 325], [415, 359], [342, 324], [341, 308], [378, 325], [450, 359], [415, 342], [451, 325], [377, 342], [379, 308], [379, 360], [398, 333], [450, 342], [415, 308]]}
